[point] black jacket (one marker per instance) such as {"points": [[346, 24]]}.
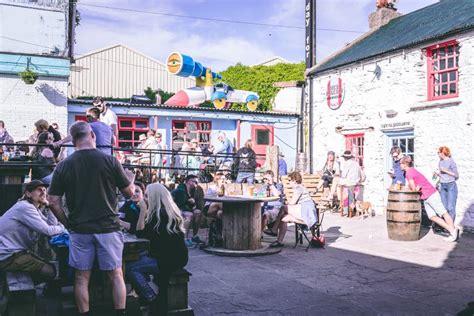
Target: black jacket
{"points": [[245, 160]]}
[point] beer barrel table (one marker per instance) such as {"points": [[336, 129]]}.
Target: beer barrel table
{"points": [[403, 215], [242, 226]]}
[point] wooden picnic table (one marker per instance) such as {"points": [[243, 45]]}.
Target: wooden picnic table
{"points": [[241, 229], [99, 288]]}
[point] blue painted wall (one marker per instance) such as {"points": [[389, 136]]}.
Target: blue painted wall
{"points": [[44, 66], [285, 127]]}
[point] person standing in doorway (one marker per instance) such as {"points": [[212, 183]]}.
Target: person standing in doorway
{"points": [[432, 199], [89, 179], [448, 174]]}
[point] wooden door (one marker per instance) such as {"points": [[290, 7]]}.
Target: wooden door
{"points": [[262, 136]]}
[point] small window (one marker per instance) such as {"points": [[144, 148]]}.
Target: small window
{"points": [[185, 131], [263, 137], [129, 129], [443, 63]]}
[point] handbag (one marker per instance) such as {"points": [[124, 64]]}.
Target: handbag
{"points": [[318, 241], [294, 213]]}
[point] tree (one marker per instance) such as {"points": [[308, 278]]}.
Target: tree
{"points": [[260, 79]]}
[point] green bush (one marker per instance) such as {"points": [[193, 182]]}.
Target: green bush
{"points": [[260, 79]]}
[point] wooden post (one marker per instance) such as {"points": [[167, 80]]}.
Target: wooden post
{"points": [[271, 163]]}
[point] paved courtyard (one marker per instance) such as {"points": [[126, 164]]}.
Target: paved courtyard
{"points": [[360, 272]]}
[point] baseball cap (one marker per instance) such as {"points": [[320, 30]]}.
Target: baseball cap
{"points": [[31, 186]]}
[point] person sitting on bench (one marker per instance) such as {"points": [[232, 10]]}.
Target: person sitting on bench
{"points": [[273, 212], [19, 230]]}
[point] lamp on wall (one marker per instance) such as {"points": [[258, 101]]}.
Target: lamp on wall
{"points": [[391, 113]]}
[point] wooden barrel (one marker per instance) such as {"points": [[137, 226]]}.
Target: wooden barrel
{"points": [[403, 215]]}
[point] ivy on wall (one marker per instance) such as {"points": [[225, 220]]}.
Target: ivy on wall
{"points": [[260, 79]]}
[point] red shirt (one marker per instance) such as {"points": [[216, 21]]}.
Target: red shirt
{"points": [[427, 189]]}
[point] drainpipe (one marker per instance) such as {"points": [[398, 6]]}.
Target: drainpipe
{"points": [[310, 123], [300, 140]]}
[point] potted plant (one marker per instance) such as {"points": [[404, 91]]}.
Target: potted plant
{"points": [[28, 76]]}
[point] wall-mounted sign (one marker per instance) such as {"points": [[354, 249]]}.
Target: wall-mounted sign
{"points": [[396, 125], [335, 94]]}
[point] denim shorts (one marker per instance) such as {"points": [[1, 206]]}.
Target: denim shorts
{"points": [[106, 247]]}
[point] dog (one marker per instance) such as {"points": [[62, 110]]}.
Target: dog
{"points": [[364, 208]]}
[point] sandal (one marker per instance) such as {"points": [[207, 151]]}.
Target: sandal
{"points": [[269, 232], [276, 244]]}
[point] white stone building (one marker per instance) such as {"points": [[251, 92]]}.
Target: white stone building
{"points": [[34, 35], [408, 83]]}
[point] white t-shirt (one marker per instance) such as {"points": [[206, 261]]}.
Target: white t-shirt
{"points": [[109, 117]]}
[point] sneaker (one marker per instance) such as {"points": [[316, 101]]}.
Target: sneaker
{"points": [[188, 242], [454, 236], [196, 239]]}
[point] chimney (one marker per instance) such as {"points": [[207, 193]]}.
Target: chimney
{"points": [[386, 11]]}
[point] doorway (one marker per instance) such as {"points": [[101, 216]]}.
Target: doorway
{"points": [[262, 136]]}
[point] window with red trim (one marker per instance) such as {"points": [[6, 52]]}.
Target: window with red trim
{"points": [[355, 143], [443, 72], [129, 129], [185, 131]]}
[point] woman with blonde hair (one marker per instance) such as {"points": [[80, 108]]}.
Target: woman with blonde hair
{"points": [[163, 226], [246, 163], [448, 174]]}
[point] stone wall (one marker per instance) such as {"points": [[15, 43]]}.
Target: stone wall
{"points": [[21, 105], [397, 100]]}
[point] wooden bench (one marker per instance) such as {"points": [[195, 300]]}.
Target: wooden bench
{"points": [[21, 294], [178, 294]]}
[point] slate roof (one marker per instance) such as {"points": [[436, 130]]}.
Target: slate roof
{"points": [[436, 21], [180, 108]]}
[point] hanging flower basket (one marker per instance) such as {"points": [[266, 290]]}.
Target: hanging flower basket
{"points": [[28, 76]]}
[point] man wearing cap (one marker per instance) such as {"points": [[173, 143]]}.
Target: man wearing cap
{"points": [[20, 228], [89, 179], [351, 176], [106, 114]]}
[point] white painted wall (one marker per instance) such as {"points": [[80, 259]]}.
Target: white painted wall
{"points": [[21, 105], [288, 100], [37, 30], [402, 87]]}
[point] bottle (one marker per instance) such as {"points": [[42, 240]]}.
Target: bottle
{"points": [[221, 190], [269, 190], [398, 185]]}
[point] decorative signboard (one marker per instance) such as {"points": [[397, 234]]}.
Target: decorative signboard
{"points": [[335, 94]]}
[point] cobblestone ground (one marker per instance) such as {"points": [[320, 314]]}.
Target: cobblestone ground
{"points": [[360, 272]]}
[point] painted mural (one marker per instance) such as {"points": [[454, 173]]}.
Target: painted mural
{"points": [[220, 94]]}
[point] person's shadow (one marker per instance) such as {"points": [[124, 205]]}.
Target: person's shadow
{"points": [[333, 233]]}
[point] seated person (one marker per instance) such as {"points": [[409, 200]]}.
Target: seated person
{"points": [[164, 228], [273, 212], [183, 197], [134, 210], [19, 230], [138, 271], [306, 213]]}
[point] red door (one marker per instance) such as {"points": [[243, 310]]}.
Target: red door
{"points": [[262, 136]]}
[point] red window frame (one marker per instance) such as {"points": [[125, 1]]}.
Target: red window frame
{"points": [[202, 132], [132, 130], [443, 70], [355, 143]]}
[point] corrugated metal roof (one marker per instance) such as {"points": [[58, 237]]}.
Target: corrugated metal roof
{"points": [[435, 21], [178, 108]]}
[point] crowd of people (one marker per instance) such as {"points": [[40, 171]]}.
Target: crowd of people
{"points": [[169, 217]]}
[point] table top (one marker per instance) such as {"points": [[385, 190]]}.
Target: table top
{"points": [[240, 198]]}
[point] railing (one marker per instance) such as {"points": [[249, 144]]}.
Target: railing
{"points": [[153, 164]]}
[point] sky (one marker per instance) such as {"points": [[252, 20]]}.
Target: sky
{"points": [[219, 45]]}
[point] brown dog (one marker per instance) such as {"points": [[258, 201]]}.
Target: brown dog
{"points": [[364, 208]]}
